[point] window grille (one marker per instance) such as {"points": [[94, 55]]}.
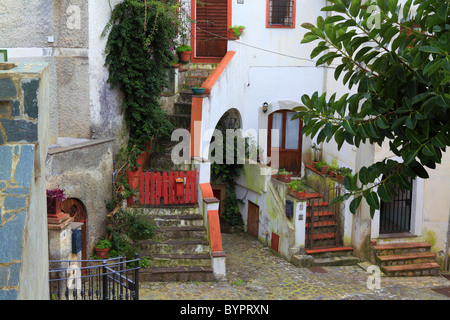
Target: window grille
{"points": [[281, 13]]}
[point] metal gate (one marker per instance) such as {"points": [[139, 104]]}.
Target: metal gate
{"points": [[323, 221], [395, 216], [112, 279]]}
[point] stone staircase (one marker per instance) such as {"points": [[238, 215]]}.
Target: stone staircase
{"points": [[193, 74], [406, 259], [180, 250], [324, 248]]}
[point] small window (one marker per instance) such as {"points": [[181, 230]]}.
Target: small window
{"points": [[281, 13]]}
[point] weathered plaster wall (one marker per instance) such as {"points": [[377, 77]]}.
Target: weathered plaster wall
{"points": [[82, 104], [84, 171], [24, 103]]}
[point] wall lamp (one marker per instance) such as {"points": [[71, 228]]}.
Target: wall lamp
{"points": [[265, 107]]}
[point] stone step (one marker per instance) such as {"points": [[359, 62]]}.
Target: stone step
{"points": [[404, 247], [406, 258], [189, 220], [184, 273], [178, 260], [182, 108], [334, 256], [336, 261], [410, 270], [180, 121], [173, 246], [180, 233], [174, 211], [330, 252]]}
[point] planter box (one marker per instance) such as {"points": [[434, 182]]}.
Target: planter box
{"points": [[297, 194], [281, 177]]}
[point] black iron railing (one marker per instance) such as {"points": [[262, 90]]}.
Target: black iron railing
{"points": [[112, 279]]}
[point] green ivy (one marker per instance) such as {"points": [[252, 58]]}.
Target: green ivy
{"points": [[139, 52]]}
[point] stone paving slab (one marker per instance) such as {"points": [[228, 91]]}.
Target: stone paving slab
{"points": [[255, 273]]}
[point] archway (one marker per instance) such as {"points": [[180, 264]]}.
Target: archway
{"points": [[77, 210], [227, 140]]}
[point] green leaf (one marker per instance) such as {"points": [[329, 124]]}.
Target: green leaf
{"points": [[363, 175], [430, 49], [410, 156], [348, 126], [406, 9], [317, 50], [393, 6], [442, 11], [355, 7], [382, 123], [354, 204], [372, 200], [383, 193], [308, 25], [309, 37]]}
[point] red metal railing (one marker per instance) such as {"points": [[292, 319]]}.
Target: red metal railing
{"points": [[167, 188]]}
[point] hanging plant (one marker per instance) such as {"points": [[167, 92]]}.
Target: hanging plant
{"points": [[139, 52]]}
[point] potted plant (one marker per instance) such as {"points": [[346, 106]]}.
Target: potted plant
{"points": [[184, 53], [322, 167], [102, 248], [234, 32], [342, 172], [198, 90], [332, 171], [297, 189], [55, 198], [283, 175]]}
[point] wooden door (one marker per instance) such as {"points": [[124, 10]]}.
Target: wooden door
{"points": [[77, 211], [211, 28], [288, 142], [253, 219]]}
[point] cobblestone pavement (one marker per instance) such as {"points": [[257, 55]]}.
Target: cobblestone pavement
{"points": [[255, 273]]}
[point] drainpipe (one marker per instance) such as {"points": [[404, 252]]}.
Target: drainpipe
{"points": [[447, 244], [113, 178]]}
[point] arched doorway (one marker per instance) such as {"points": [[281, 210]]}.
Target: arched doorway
{"points": [[226, 147], [288, 142], [76, 209]]}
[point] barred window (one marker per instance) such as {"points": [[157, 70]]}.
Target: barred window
{"points": [[281, 13]]}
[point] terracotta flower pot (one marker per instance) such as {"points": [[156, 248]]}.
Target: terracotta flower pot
{"points": [[185, 56], [102, 253]]}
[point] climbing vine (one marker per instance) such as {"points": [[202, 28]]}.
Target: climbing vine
{"points": [[227, 173], [139, 52]]}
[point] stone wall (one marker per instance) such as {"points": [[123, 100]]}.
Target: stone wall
{"points": [[24, 105], [85, 171]]}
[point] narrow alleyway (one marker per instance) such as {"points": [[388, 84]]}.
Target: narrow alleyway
{"points": [[255, 273]]}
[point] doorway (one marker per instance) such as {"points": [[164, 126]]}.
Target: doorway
{"points": [[76, 209], [211, 28], [288, 141], [395, 216], [253, 219]]}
